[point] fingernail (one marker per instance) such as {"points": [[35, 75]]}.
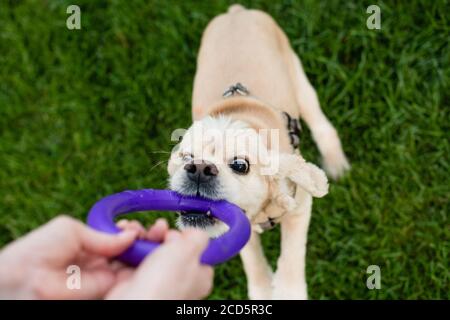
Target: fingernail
{"points": [[161, 221], [121, 223], [129, 233]]}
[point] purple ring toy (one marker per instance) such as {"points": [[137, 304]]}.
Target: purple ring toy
{"points": [[102, 214]]}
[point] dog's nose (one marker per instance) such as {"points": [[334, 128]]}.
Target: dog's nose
{"points": [[201, 172]]}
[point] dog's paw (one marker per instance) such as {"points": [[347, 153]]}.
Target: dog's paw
{"points": [[335, 163], [290, 293], [260, 293]]}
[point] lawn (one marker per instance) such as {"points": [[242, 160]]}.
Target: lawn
{"points": [[85, 113]]}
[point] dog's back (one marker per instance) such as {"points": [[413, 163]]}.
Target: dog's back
{"points": [[245, 46]]}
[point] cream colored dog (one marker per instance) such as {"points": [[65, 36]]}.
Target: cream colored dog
{"points": [[247, 77]]}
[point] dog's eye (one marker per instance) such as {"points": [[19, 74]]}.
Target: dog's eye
{"points": [[240, 166], [187, 157]]}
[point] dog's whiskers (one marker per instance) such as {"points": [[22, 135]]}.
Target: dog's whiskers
{"points": [[158, 164]]}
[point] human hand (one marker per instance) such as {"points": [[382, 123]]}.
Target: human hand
{"points": [[172, 271], [34, 266]]}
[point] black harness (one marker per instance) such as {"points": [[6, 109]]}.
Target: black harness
{"points": [[294, 128]]}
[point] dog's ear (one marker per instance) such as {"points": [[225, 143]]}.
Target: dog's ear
{"points": [[304, 174]]}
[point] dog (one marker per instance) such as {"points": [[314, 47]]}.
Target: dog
{"points": [[249, 80], [249, 89]]}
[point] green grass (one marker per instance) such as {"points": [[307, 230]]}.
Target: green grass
{"points": [[82, 113]]}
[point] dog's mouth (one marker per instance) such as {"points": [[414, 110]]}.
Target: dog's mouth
{"points": [[209, 190], [197, 219]]}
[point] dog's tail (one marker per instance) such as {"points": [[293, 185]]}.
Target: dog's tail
{"points": [[235, 8]]}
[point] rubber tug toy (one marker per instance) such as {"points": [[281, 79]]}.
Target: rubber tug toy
{"points": [[102, 214]]}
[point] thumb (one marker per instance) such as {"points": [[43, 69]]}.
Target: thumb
{"points": [[107, 245], [194, 241]]}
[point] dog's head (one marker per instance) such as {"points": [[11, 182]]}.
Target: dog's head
{"points": [[221, 158]]}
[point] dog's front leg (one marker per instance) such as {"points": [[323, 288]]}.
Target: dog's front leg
{"points": [[257, 269], [289, 281]]}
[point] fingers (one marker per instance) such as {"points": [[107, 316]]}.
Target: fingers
{"points": [[172, 235], [92, 284], [104, 244], [190, 242], [95, 284], [175, 264], [158, 231], [195, 240], [125, 224], [68, 231]]}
